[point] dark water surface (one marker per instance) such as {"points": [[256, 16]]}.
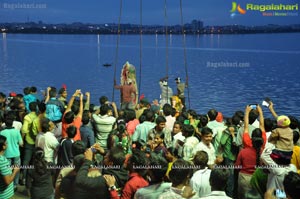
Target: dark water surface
{"points": [[225, 72]]}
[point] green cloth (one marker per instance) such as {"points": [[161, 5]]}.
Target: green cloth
{"points": [[259, 181], [226, 145]]}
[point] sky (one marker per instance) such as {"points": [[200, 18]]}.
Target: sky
{"points": [[211, 12]]}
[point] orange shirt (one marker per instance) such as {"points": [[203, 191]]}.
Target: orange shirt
{"points": [[76, 122]]}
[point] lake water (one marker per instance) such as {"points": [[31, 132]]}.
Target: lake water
{"points": [[225, 72]]}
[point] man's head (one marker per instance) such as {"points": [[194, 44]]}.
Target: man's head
{"points": [[63, 92], [188, 130], [181, 172], [2, 143], [291, 185], [160, 123], [206, 136], [115, 156], [218, 179], [201, 159], [177, 80], [212, 114]]}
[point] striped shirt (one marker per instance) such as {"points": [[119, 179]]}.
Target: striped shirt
{"points": [[5, 191]]}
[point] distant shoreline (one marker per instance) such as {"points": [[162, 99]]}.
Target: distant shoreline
{"points": [[132, 29]]}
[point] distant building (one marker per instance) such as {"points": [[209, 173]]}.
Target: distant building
{"points": [[196, 26]]}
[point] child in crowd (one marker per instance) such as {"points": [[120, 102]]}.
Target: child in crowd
{"points": [[282, 136]]}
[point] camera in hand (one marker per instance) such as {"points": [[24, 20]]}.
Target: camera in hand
{"points": [[266, 102], [280, 194], [253, 106], [94, 150]]}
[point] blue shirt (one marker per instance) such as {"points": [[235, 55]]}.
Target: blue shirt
{"points": [[13, 137]]}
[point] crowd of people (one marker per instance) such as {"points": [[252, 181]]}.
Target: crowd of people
{"points": [[60, 147]]}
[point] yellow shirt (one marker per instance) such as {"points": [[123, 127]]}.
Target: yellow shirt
{"points": [[27, 125], [296, 158]]}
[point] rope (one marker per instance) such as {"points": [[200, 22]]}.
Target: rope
{"points": [[141, 39], [117, 49], [184, 53], [167, 49]]}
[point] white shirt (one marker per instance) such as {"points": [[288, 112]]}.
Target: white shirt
{"points": [[40, 140], [217, 195], [209, 150], [50, 148], [200, 182], [277, 173], [170, 122]]}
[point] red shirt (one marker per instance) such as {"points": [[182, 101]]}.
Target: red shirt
{"points": [[247, 159], [76, 122], [131, 126], [126, 91], [133, 184], [247, 141]]}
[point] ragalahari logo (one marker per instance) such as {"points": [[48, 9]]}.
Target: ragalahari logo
{"points": [[236, 8]]}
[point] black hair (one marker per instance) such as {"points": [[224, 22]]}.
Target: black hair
{"points": [[33, 106], [257, 143], [149, 115], [181, 170], [78, 161], [39, 162], [42, 107], [252, 116], [201, 159], [117, 155], [69, 117], [104, 109], [129, 115], [206, 131], [174, 151], [85, 117], [9, 119], [160, 119], [192, 113], [78, 147], [61, 91], [158, 174], [71, 131], [138, 161], [203, 121], [33, 89], [102, 100], [291, 185], [45, 126], [235, 120], [188, 130], [75, 107], [52, 92], [218, 179], [294, 122], [179, 123], [212, 114], [2, 141], [240, 114], [167, 109], [269, 124], [295, 137], [2, 95], [26, 90]]}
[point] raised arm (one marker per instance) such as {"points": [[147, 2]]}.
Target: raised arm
{"points": [[47, 95], [88, 101], [261, 119], [271, 108], [246, 118], [71, 101], [80, 106]]}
